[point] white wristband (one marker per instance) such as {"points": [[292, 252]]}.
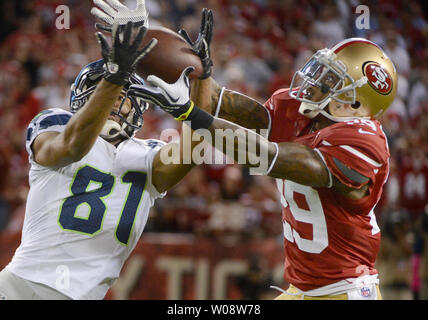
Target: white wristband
{"points": [[330, 178], [274, 158], [217, 110]]}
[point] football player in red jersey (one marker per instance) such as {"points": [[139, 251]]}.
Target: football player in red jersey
{"points": [[327, 152]]}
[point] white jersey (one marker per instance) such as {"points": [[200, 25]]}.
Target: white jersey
{"points": [[83, 220]]}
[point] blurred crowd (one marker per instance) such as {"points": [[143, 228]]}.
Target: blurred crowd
{"points": [[256, 48]]}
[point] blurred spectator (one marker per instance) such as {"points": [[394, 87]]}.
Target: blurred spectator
{"points": [[414, 180], [252, 70], [228, 216], [417, 260], [328, 26], [397, 53], [256, 281], [394, 256], [283, 76], [418, 96]]}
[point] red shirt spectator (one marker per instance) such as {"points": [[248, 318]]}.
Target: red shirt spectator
{"points": [[414, 183]]}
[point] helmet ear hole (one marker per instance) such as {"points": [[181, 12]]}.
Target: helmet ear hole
{"points": [[356, 105]]}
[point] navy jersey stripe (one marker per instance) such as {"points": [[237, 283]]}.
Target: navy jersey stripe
{"points": [[54, 120], [29, 133]]}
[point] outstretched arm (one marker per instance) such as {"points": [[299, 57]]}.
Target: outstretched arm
{"points": [[230, 105], [287, 160], [291, 161], [59, 149], [236, 108]]}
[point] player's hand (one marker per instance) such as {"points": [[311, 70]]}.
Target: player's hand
{"points": [[112, 11], [202, 44], [122, 57], [173, 98]]}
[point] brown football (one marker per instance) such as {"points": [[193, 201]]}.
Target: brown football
{"points": [[169, 57]]}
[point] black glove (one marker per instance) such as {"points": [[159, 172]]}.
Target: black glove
{"points": [[122, 57], [202, 44]]}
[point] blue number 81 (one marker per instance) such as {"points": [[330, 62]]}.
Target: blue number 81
{"points": [[92, 224]]}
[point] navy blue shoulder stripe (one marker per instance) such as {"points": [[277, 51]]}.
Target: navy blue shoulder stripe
{"points": [[41, 113], [54, 120]]}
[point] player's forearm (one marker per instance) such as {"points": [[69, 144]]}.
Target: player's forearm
{"points": [[244, 145], [85, 126], [173, 161], [203, 93], [167, 176], [243, 110], [301, 164], [235, 107], [291, 161]]}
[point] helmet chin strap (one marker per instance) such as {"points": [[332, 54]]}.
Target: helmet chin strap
{"points": [[312, 110], [113, 130], [340, 119]]}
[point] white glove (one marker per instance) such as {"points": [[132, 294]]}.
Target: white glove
{"points": [[173, 98], [112, 11]]}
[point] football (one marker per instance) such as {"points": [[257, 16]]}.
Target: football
{"points": [[171, 55]]}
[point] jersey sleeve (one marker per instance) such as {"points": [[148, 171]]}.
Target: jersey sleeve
{"points": [[47, 120], [354, 154], [285, 121], [270, 107]]}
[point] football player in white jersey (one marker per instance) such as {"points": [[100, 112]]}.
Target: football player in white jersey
{"points": [[92, 182]]}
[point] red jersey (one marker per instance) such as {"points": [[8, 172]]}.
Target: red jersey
{"points": [[329, 237]]}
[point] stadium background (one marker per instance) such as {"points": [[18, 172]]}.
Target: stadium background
{"points": [[218, 234]]}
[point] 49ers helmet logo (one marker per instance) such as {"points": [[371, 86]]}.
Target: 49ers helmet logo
{"points": [[378, 78]]}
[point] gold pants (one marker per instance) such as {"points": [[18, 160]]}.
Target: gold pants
{"points": [[293, 294]]}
